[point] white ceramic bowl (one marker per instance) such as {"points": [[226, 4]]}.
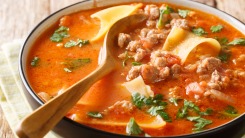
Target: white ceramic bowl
{"points": [[69, 128]]}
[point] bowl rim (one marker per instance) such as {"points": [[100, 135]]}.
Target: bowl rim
{"points": [[30, 91]]}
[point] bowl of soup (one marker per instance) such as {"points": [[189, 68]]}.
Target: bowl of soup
{"points": [[180, 72]]}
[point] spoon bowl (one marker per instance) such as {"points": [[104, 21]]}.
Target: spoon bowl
{"points": [[48, 115]]}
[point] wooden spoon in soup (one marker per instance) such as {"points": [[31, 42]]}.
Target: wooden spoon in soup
{"points": [[57, 108]]}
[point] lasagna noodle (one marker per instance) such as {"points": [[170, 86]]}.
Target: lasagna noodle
{"points": [[109, 16], [188, 45]]}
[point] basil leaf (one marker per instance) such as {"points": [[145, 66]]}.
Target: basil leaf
{"points": [[238, 41], [200, 122], [133, 128], [59, 34], [35, 61], [95, 114], [216, 29], [199, 31], [183, 13]]}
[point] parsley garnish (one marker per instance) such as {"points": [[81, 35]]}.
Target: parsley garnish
{"points": [[126, 59], [199, 31], [222, 41], [183, 13], [155, 105], [79, 43], [167, 10], [238, 41], [200, 122], [72, 64], [136, 63], [95, 114], [224, 56], [35, 61], [216, 29], [59, 34], [133, 128], [174, 101], [230, 111]]}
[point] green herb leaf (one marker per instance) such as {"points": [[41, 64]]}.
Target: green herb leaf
{"points": [[200, 122], [136, 63], [72, 64], [191, 105], [167, 10], [165, 116], [35, 61], [216, 29], [59, 34], [79, 43], [224, 56], [231, 110], [199, 31], [126, 59], [182, 112], [138, 100], [133, 128], [70, 43], [238, 41], [174, 101], [208, 111], [67, 70], [183, 13], [222, 41], [154, 110], [95, 114]]}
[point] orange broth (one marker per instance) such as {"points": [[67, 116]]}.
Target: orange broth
{"points": [[49, 76]]}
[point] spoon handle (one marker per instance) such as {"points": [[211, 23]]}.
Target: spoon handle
{"points": [[48, 115]]}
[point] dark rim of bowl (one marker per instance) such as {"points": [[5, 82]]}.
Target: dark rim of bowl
{"points": [[36, 97]]}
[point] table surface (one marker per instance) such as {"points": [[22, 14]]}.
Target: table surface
{"points": [[19, 17]]}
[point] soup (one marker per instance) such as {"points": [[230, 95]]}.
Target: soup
{"points": [[179, 72]]}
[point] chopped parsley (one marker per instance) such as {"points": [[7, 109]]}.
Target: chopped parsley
{"points": [[133, 128], [126, 58], [200, 122], [230, 111], [224, 56], [136, 63], [183, 13], [79, 43], [71, 64], [59, 34], [222, 40], [199, 31], [174, 101], [238, 41], [155, 105], [216, 29], [95, 114], [167, 10], [35, 61]]}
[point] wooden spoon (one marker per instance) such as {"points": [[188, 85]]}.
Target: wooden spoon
{"points": [[42, 120]]}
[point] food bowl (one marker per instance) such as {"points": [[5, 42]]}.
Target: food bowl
{"points": [[70, 128]]}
